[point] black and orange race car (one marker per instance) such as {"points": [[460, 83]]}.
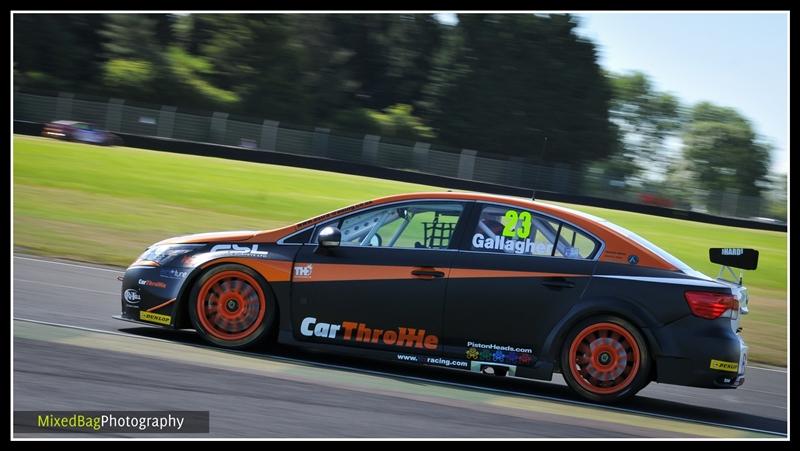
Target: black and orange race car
{"points": [[477, 282]]}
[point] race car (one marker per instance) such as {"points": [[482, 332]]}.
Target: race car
{"points": [[492, 284], [80, 132]]}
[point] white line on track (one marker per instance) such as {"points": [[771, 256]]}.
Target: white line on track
{"points": [[777, 370], [774, 370], [119, 271], [416, 378], [64, 286]]}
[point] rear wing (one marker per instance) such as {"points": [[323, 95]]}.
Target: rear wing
{"points": [[733, 257]]}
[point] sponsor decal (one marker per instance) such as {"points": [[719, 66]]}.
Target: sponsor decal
{"points": [[359, 332], [300, 225], [438, 361], [615, 255], [732, 251], [152, 283], [446, 362], [517, 224], [239, 250], [479, 241], [173, 273], [407, 358], [303, 271], [155, 317], [490, 352], [132, 296], [724, 366], [633, 259]]}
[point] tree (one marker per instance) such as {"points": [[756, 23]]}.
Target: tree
{"points": [[57, 51], [646, 119], [257, 57], [723, 150], [506, 82]]}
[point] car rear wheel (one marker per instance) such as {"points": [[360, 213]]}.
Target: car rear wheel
{"points": [[605, 359], [231, 306]]}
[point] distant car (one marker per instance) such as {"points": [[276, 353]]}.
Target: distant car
{"points": [[80, 132], [490, 284], [658, 201]]}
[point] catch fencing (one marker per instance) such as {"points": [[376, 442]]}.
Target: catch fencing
{"points": [[164, 121]]}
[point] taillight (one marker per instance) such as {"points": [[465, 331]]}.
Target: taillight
{"points": [[711, 305]]}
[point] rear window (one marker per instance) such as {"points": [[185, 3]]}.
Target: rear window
{"points": [[650, 246]]}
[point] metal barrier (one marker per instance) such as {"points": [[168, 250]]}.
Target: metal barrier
{"points": [[171, 122]]}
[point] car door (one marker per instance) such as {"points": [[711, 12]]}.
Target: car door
{"points": [[384, 286], [516, 274]]}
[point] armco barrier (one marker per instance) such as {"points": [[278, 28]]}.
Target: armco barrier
{"points": [[326, 164]]}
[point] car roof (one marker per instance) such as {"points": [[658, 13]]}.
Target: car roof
{"points": [[69, 122], [617, 247]]}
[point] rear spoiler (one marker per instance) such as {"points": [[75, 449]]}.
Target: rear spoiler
{"points": [[733, 257]]}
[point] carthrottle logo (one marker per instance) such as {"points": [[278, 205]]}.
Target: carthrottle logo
{"points": [[152, 283], [132, 296], [236, 249], [359, 332]]}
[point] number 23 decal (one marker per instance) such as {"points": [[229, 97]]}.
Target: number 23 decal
{"points": [[512, 219]]}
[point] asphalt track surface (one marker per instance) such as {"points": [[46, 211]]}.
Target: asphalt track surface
{"points": [[69, 354]]}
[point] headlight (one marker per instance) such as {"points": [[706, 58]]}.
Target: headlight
{"points": [[165, 254]]}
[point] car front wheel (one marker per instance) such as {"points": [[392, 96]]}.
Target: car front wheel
{"points": [[231, 306]]}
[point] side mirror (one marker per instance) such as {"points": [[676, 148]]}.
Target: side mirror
{"points": [[330, 237]]}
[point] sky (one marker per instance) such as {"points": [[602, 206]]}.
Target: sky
{"points": [[739, 60]]}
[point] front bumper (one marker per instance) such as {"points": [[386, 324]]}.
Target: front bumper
{"points": [[149, 294]]}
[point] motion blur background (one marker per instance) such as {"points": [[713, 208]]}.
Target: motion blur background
{"points": [[527, 95]]}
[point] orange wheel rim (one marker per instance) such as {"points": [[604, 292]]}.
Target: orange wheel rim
{"points": [[604, 358], [231, 305]]}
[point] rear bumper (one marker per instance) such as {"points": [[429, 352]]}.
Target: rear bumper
{"points": [[705, 354]]}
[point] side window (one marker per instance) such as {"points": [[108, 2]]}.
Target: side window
{"points": [[509, 230], [576, 243], [421, 225]]}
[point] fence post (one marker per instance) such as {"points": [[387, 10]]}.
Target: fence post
{"points": [[420, 156], [730, 201], [369, 150], [114, 115], [269, 135], [166, 121], [218, 125], [561, 178], [515, 172], [319, 142], [64, 105], [466, 164]]}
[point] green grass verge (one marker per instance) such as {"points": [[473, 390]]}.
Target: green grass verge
{"points": [[106, 205]]}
